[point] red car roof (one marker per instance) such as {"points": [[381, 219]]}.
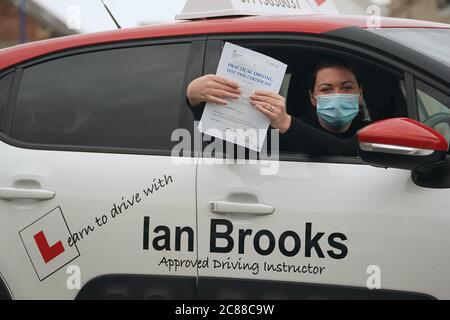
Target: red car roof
{"points": [[312, 24]]}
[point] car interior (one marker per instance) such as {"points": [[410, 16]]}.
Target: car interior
{"points": [[383, 88]]}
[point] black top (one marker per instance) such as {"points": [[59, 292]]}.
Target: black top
{"points": [[306, 135]]}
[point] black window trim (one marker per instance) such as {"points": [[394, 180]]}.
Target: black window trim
{"points": [[18, 69], [110, 46], [4, 120], [5, 72], [10, 108], [411, 97]]}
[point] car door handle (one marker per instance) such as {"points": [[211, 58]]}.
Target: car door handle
{"points": [[224, 207], [9, 193]]}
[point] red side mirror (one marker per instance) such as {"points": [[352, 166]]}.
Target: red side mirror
{"points": [[401, 143]]}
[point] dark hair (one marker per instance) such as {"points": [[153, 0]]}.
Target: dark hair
{"points": [[333, 64]]}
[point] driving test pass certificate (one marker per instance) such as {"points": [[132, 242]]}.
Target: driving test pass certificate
{"points": [[240, 122]]}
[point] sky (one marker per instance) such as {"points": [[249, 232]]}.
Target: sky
{"points": [[91, 16]]}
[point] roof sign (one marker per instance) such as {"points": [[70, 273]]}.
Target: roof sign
{"points": [[323, 6], [199, 9]]}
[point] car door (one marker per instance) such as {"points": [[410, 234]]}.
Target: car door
{"points": [[90, 196], [319, 228]]}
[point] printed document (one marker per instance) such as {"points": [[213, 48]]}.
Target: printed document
{"points": [[240, 122]]}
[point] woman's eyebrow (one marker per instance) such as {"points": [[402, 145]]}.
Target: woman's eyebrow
{"points": [[326, 84], [348, 82]]}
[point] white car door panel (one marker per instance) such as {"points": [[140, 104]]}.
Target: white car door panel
{"points": [[104, 199], [333, 225]]}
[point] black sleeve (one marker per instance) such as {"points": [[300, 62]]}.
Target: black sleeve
{"points": [[305, 138], [197, 111]]}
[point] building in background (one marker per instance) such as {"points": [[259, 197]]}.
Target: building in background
{"points": [[431, 10], [40, 24]]}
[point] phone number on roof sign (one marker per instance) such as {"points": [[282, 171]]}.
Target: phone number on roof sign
{"points": [[290, 4]]}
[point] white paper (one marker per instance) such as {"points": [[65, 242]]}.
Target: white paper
{"points": [[240, 122]]}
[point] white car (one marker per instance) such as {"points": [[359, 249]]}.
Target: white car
{"points": [[93, 204]]}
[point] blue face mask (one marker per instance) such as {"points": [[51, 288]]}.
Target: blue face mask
{"points": [[338, 110]]}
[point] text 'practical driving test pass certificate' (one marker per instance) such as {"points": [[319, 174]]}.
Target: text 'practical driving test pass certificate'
{"points": [[240, 122]]}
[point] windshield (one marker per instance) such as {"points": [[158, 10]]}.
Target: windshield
{"points": [[432, 42]]}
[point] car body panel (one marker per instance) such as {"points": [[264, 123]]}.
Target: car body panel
{"points": [[313, 24], [93, 185]]}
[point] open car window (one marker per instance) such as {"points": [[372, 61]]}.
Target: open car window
{"points": [[382, 87]]}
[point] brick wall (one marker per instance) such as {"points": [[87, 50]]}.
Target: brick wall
{"points": [[9, 26]]}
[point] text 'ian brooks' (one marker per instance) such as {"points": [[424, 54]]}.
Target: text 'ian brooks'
{"points": [[165, 239]]}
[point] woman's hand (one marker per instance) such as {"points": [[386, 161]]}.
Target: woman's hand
{"points": [[274, 107], [212, 88]]}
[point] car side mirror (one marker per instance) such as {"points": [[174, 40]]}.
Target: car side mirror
{"points": [[401, 143]]}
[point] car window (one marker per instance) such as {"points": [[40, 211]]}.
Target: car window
{"points": [[5, 84], [383, 98], [432, 109], [432, 42], [123, 98]]}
